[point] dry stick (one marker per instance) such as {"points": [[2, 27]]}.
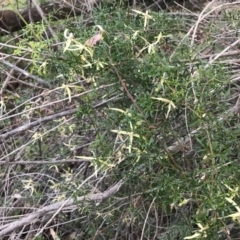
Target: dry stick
{"points": [[29, 3], [26, 83], [145, 221], [96, 106], [21, 58], [5, 83], [7, 228], [125, 88], [39, 80], [49, 118], [194, 28], [50, 220], [24, 145], [224, 51], [226, 54], [16, 47], [35, 123], [7, 115], [45, 20], [9, 76], [45, 162], [192, 42], [202, 17]]}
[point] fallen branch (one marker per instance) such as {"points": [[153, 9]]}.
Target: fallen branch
{"points": [[44, 162], [37, 122], [27, 74], [99, 197], [54, 116]]}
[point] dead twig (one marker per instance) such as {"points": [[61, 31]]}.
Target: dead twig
{"points": [[37, 122], [99, 197], [27, 74], [42, 162]]}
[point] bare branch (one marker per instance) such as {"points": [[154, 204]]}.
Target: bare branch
{"points": [[52, 117], [38, 79], [44, 162], [7, 228], [37, 122]]}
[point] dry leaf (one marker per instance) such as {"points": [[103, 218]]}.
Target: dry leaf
{"points": [[94, 39]]}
